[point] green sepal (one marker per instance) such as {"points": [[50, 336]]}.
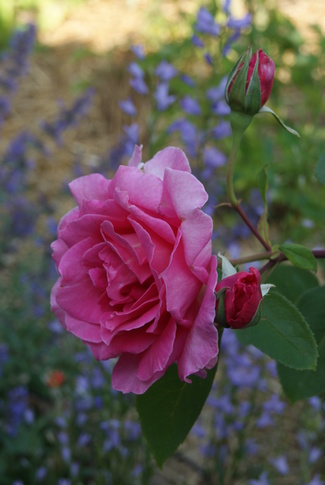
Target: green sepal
{"points": [[220, 318], [266, 109], [253, 93]]}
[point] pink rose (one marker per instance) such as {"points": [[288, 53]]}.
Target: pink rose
{"points": [[242, 297], [137, 275]]}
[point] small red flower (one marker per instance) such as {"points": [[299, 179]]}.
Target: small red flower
{"points": [[55, 378]]}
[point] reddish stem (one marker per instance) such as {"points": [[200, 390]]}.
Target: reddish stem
{"points": [[242, 214]]}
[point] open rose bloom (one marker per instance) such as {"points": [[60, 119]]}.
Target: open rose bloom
{"points": [[136, 270]]}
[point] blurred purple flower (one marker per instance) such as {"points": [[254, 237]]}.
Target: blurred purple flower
{"points": [[139, 85], [68, 117], [213, 158], [138, 50], [190, 106], [315, 402], [280, 464], [222, 130], [220, 108], [274, 405], [262, 480], [314, 454], [41, 473], [231, 39], [196, 41], [133, 430], [187, 80], [205, 23], [217, 92], [226, 6], [128, 107], [242, 23], [137, 470], [135, 70], [165, 71], [188, 133], [316, 481], [164, 100], [264, 420], [199, 431], [132, 132], [84, 439], [208, 59]]}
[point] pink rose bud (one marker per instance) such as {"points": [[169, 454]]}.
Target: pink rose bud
{"points": [[250, 83], [240, 299]]}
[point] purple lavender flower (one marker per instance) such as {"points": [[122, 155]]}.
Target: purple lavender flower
{"points": [[68, 117], [242, 23], [190, 106], [139, 85], [226, 6], [316, 480], [262, 480], [220, 108], [15, 64], [213, 158], [138, 50], [280, 464], [132, 132], [205, 23], [165, 71], [187, 80], [196, 41], [222, 130], [208, 59], [164, 100], [314, 454], [41, 473], [231, 39], [217, 92], [135, 70], [189, 135], [128, 107]]}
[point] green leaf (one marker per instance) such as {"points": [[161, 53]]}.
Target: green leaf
{"points": [[311, 304], [266, 109], [169, 409], [303, 384], [320, 169], [300, 256], [282, 333], [291, 281]]}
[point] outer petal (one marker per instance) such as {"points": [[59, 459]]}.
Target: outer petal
{"points": [[184, 191], [143, 190], [124, 376], [170, 157], [201, 346], [90, 187], [136, 158]]}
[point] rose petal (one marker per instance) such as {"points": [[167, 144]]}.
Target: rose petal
{"points": [[170, 157], [90, 187], [201, 346]]}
